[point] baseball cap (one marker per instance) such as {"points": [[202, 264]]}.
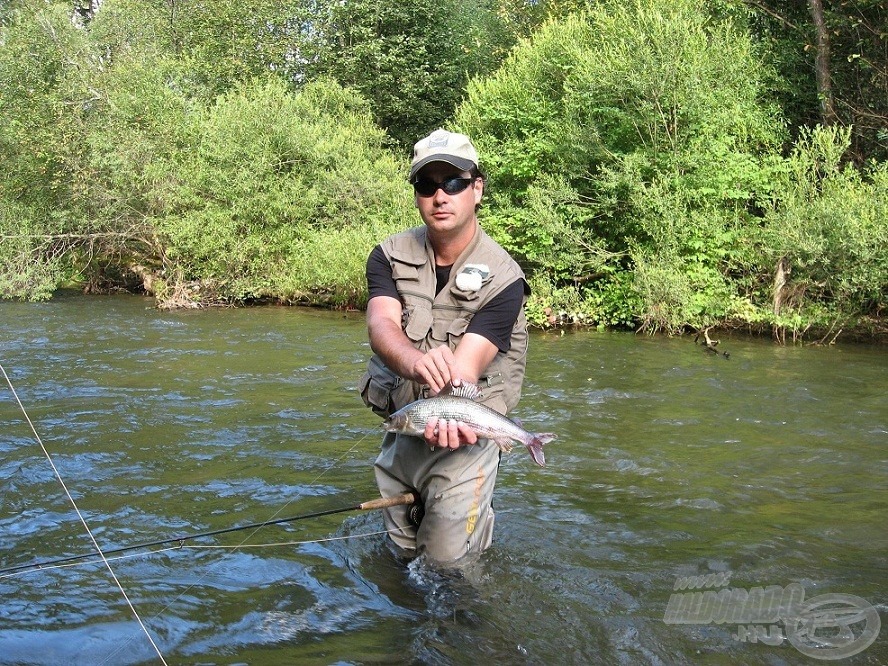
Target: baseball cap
{"points": [[444, 146]]}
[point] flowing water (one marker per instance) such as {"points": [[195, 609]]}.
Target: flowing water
{"points": [[767, 469]]}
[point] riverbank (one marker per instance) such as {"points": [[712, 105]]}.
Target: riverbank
{"points": [[195, 296]]}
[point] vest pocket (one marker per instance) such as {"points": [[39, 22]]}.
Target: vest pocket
{"points": [[494, 397], [444, 330], [377, 387], [419, 321], [402, 271], [464, 295]]}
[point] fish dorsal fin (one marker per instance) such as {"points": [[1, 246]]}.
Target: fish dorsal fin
{"points": [[464, 390]]}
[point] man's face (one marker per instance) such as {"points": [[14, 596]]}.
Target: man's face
{"points": [[448, 213]]}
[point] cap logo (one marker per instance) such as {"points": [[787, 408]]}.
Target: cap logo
{"points": [[439, 141]]}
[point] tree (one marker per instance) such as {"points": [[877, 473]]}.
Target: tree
{"points": [[827, 236], [411, 59], [268, 202], [833, 57], [822, 66], [119, 160], [215, 45], [46, 94], [45, 68]]}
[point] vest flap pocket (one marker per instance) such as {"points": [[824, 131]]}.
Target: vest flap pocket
{"points": [[494, 397], [411, 256], [458, 326], [404, 271], [377, 386], [444, 330], [418, 323]]}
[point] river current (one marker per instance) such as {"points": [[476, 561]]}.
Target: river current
{"points": [[682, 485]]}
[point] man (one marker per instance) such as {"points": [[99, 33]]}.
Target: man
{"points": [[446, 307]]}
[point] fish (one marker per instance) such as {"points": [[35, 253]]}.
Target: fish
{"points": [[461, 404]]}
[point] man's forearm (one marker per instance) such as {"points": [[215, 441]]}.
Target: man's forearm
{"points": [[389, 342]]}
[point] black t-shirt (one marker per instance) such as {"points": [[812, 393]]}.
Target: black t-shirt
{"points": [[494, 321]]}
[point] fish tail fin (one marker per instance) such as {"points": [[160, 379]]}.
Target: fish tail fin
{"points": [[535, 446]]}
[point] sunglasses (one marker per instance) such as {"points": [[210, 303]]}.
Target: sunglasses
{"points": [[425, 187]]}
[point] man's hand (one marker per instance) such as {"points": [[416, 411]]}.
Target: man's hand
{"points": [[437, 368], [448, 434]]}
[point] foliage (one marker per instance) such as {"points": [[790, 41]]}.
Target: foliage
{"points": [[858, 65], [44, 78], [522, 18], [28, 272], [412, 60], [292, 207], [46, 95], [682, 279], [247, 196], [138, 128], [829, 233], [639, 167], [214, 45], [656, 119]]}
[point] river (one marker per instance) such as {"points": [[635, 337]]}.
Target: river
{"points": [[766, 469]]}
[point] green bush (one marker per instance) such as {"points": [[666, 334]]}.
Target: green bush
{"points": [[45, 96], [28, 271], [214, 45], [637, 134], [268, 202], [828, 233], [633, 153], [44, 75]]}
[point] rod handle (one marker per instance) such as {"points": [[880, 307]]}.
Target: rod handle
{"points": [[386, 502]]}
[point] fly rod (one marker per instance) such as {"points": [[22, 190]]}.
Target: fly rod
{"points": [[380, 503]]}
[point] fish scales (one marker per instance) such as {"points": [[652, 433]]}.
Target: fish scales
{"points": [[484, 422], [481, 418]]}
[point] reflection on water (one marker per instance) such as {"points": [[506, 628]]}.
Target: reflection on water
{"points": [[768, 467]]}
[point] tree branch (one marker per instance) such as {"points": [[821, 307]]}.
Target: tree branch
{"points": [[770, 12]]}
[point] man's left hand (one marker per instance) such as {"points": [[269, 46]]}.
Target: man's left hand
{"points": [[449, 434]]}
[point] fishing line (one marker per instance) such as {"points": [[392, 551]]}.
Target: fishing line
{"points": [[63, 564], [81, 517], [406, 498], [257, 526], [273, 518]]}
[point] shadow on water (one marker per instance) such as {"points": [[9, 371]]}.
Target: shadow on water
{"points": [[765, 469]]}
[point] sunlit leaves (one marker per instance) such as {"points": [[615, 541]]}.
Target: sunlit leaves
{"points": [[656, 116]]}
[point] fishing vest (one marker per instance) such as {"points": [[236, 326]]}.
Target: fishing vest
{"points": [[480, 273]]}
